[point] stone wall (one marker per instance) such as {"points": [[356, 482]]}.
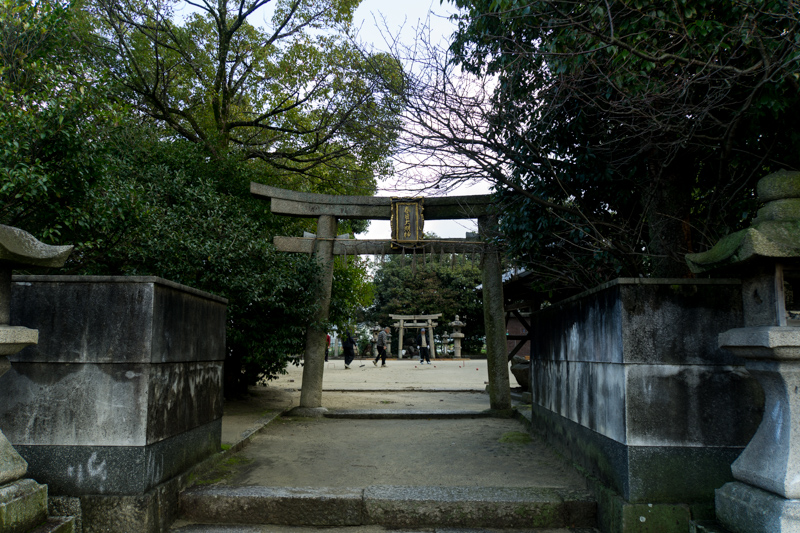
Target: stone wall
{"points": [[123, 391], [629, 383]]}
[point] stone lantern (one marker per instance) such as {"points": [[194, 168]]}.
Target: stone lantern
{"points": [[19, 249], [765, 498], [457, 336]]}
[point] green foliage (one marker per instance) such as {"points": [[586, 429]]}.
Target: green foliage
{"points": [[198, 225], [54, 116], [446, 286], [633, 131], [294, 92], [352, 292]]}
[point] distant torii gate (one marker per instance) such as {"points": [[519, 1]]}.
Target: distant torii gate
{"points": [[417, 323], [324, 245]]}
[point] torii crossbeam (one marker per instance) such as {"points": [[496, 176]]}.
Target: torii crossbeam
{"points": [[324, 245]]}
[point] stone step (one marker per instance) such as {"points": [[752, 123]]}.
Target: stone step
{"points": [[56, 524], [405, 414], [184, 527], [392, 506]]}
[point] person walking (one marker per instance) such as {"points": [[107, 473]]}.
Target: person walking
{"points": [[422, 343], [327, 346], [383, 337], [348, 346]]}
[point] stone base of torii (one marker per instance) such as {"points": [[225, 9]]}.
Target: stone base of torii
{"points": [[328, 209]]}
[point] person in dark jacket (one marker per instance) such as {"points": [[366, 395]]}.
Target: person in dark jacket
{"points": [[383, 339], [349, 346]]}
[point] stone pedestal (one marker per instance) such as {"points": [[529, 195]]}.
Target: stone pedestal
{"points": [[629, 381], [12, 340], [120, 397], [766, 496]]}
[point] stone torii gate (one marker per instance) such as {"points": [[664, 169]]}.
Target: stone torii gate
{"points": [[328, 209], [419, 321]]}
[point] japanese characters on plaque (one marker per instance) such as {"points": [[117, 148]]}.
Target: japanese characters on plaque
{"points": [[407, 221]]}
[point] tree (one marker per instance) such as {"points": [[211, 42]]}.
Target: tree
{"points": [[439, 285], [54, 117], [296, 93], [138, 200], [620, 134], [352, 292]]}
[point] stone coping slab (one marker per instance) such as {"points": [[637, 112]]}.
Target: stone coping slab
{"points": [[119, 279], [644, 281]]}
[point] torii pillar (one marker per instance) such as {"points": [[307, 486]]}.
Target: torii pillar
{"points": [[494, 318], [314, 357]]}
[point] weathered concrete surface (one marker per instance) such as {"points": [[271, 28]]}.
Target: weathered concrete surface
{"points": [[71, 404], [395, 506], [117, 319], [122, 395], [356, 453], [23, 505], [309, 454], [746, 509], [636, 364], [273, 505], [120, 470]]}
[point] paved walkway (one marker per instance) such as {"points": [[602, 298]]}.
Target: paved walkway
{"points": [[403, 446], [447, 386]]}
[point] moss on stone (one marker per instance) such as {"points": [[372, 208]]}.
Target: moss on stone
{"points": [[779, 185], [515, 437]]}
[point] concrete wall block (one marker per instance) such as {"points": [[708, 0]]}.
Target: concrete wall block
{"points": [[107, 404], [581, 330], [679, 323], [591, 394], [689, 405], [116, 319], [629, 383], [187, 327], [119, 470], [84, 322], [187, 395], [75, 404]]}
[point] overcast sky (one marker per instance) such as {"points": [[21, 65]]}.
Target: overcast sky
{"points": [[403, 17]]}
